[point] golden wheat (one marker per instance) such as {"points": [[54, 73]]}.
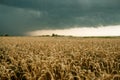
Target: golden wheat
{"points": [[59, 58]]}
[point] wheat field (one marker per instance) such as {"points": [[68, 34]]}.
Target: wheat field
{"points": [[59, 58]]}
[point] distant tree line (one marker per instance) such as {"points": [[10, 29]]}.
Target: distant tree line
{"points": [[4, 34], [56, 35], [52, 35]]}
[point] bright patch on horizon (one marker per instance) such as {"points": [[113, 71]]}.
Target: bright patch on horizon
{"points": [[84, 31]]}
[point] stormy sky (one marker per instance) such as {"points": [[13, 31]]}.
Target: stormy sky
{"points": [[18, 17]]}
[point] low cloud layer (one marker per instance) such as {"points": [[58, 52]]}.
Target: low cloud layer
{"points": [[20, 16], [84, 31]]}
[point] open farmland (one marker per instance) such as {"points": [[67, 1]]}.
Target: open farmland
{"points": [[59, 58]]}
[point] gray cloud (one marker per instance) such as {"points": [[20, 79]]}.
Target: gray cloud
{"points": [[19, 16]]}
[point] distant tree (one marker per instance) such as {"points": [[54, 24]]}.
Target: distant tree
{"points": [[54, 35], [5, 34]]}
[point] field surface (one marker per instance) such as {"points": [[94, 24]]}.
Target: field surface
{"points": [[59, 58]]}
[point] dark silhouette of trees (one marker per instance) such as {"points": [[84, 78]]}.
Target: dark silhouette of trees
{"points": [[4, 34], [54, 35]]}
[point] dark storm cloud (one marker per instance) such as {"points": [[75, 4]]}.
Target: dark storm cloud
{"points": [[17, 16]]}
